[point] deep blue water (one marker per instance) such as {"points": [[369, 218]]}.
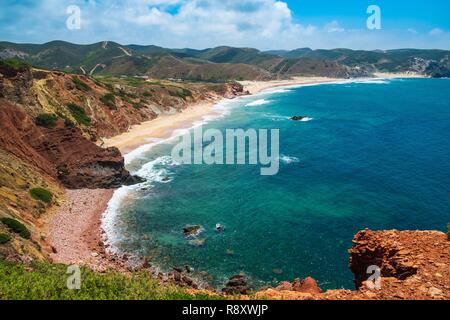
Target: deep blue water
{"points": [[375, 155]]}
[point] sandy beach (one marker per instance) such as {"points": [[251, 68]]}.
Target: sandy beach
{"points": [[255, 87], [160, 128], [74, 230]]}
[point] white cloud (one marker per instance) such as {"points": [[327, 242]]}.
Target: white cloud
{"points": [[436, 32], [264, 24], [333, 26]]}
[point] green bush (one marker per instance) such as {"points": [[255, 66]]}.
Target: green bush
{"points": [[17, 227], [4, 238], [49, 282], [138, 106], [79, 114], [47, 120], [41, 194], [80, 84], [109, 100], [448, 231], [183, 94], [15, 64]]}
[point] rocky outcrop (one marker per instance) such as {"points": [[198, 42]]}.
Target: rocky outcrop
{"points": [[236, 285], [413, 265], [61, 152]]}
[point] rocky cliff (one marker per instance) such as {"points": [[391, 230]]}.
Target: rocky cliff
{"points": [[413, 265]]}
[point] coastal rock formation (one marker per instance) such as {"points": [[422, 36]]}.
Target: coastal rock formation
{"points": [[297, 118], [192, 230], [236, 285], [60, 152]]}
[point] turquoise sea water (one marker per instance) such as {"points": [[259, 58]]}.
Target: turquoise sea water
{"points": [[375, 155]]}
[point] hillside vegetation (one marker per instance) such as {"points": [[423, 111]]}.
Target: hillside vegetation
{"points": [[44, 281]]}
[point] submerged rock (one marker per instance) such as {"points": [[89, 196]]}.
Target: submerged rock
{"points": [[197, 242]]}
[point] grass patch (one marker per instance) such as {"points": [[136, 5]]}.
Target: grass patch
{"points": [[4, 238], [49, 282], [80, 84], [109, 100], [17, 227], [47, 120], [79, 114], [138, 106], [15, 64], [41, 194], [183, 94]]}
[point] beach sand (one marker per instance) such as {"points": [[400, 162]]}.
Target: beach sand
{"points": [[74, 230], [255, 87], [160, 128]]}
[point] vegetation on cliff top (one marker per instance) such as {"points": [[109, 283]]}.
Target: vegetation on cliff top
{"points": [[49, 282], [80, 84]]}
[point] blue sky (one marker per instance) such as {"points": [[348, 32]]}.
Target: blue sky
{"points": [[264, 24]]}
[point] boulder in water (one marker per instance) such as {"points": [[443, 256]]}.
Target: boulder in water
{"points": [[192, 230], [298, 118]]}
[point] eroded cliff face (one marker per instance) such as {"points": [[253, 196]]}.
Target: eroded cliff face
{"points": [[413, 265]]}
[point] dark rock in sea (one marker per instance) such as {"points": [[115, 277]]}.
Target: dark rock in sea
{"points": [[236, 285], [219, 227], [192, 230], [165, 179], [297, 118]]}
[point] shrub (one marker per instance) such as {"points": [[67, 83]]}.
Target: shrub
{"points": [[147, 94], [80, 84], [448, 231], [41, 194], [109, 100], [4, 238], [184, 93], [47, 120], [45, 281], [17, 227], [79, 114], [138, 106], [15, 64]]}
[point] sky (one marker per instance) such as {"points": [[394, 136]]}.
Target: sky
{"points": [[262, 24]]}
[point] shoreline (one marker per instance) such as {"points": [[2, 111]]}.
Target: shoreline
{"points": [[75, 228]]}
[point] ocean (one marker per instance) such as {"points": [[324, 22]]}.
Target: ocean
{"points": [[370, 154]]}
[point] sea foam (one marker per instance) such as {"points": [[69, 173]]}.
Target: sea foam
{"points": [[259, 102]]}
